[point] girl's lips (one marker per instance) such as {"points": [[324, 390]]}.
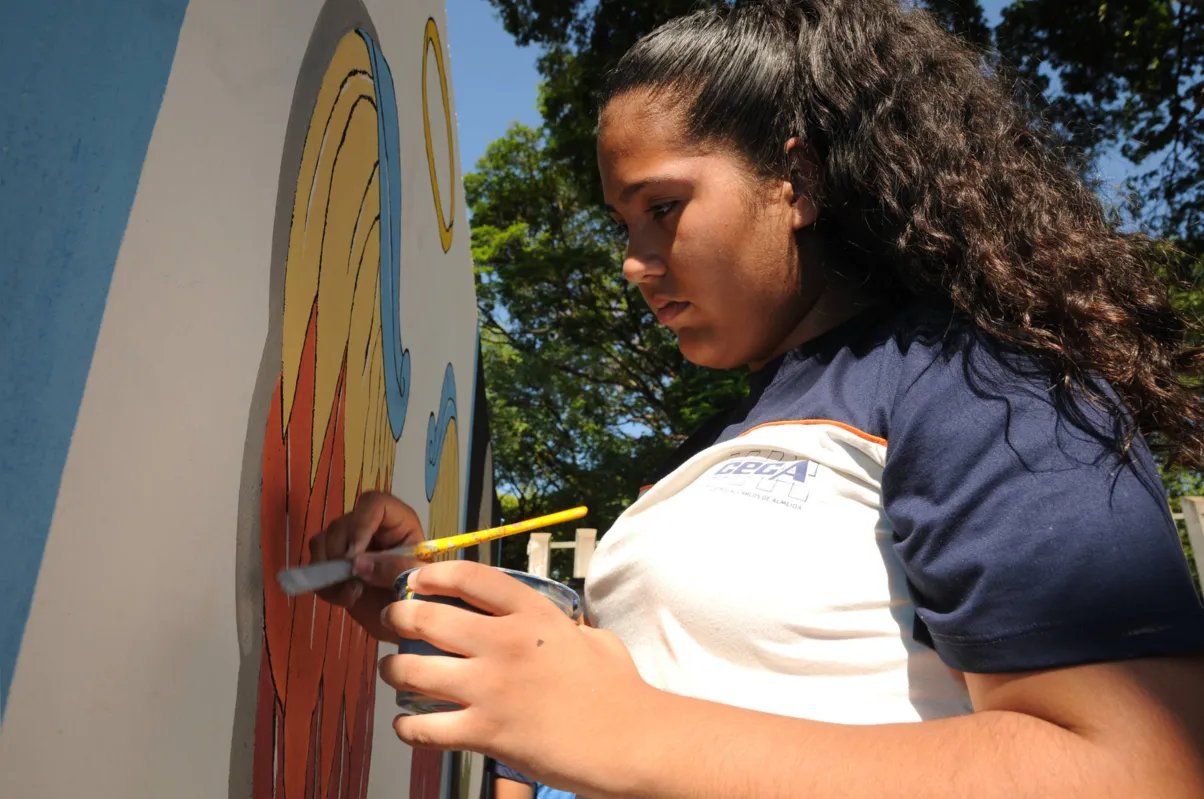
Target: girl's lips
{"points": [[670, 311]]}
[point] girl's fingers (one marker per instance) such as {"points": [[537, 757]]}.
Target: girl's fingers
{"points": [[367, 609], [331, 543], [445, 678], [447, 730], [381, 569], [380, 521], [344, 595], [451, 629], [481, 586]]}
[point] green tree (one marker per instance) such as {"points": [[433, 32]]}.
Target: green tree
{"points": [[963, 17], [587, 393], [582, 40], [1127, 74]]}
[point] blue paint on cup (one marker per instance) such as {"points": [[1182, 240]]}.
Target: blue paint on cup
{"points": [[412, 703]]}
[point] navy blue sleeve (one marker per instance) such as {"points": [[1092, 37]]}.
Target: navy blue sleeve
{"points": [[1026, 542], [507, 773]]}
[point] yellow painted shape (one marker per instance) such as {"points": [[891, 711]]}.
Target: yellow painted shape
{"points": [[446, 221], [349, 198], [373, 452], [303, 262], [334, 260], [382, 465], [363, 348], [444, 517], [387, 442]]}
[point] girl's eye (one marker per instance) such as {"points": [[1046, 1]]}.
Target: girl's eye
{"points": [[618, 228], [662, 210]]}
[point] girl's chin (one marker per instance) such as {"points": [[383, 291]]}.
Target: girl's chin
{"points": [[702, 349]]}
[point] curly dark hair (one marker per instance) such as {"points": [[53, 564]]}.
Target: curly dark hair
{"points": [[940, 180]]}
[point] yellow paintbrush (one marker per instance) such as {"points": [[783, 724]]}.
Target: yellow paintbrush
{"points": [[317, 576]]}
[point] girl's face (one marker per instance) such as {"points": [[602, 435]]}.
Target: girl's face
{"points": [[711, 245]]}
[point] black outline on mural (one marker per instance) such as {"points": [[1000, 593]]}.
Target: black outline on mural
{"points": [[336, 18]]}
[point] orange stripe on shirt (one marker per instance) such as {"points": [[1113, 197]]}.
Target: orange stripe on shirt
{"points": [[847, 427]]}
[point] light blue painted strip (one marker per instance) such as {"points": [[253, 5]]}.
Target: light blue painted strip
{"points": [[437, 429], [80, 86], [396, 357]]}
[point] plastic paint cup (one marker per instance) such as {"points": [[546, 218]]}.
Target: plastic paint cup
{"points": [[412, 703]]}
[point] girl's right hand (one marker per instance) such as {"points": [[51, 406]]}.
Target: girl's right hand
{"points": [[378, 521]]}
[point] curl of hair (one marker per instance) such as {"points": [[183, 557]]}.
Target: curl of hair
{"points": [[943, 185]]}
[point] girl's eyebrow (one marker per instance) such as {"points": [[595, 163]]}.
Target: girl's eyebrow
{"points": [[635, 188]]}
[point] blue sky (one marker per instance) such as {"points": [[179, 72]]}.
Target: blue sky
{"points": [[496, 81]]}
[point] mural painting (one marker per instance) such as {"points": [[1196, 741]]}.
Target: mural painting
{"points": [[245, 268], [336, 413]]}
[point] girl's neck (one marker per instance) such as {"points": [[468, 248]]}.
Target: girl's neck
{"points": [[839, 302]]}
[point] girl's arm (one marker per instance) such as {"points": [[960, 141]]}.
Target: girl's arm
{"points": [[1118, 730], [566, 706]]}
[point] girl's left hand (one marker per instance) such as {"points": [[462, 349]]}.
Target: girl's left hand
{"points": [[542, 694]]}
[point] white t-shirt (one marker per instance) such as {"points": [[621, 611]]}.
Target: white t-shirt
{"points": [[760, 574]]}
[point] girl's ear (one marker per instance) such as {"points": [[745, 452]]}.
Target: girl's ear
{"points": [[804, 173]]}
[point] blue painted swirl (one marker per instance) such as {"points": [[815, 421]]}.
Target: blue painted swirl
{"points": [[396, 357], [436, 430]]}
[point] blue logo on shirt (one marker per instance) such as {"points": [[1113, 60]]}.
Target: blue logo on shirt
{"points": [[761, 468], [764, 476]]}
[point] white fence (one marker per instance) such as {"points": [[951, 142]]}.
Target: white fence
{"points": [[540, 546], [1193, 517]]}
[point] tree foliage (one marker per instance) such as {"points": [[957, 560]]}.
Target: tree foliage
{"points": [[963, 17], [1127, 74]]}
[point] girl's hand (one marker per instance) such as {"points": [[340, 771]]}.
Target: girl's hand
{"points": [[378, 521], [547, 697]]}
